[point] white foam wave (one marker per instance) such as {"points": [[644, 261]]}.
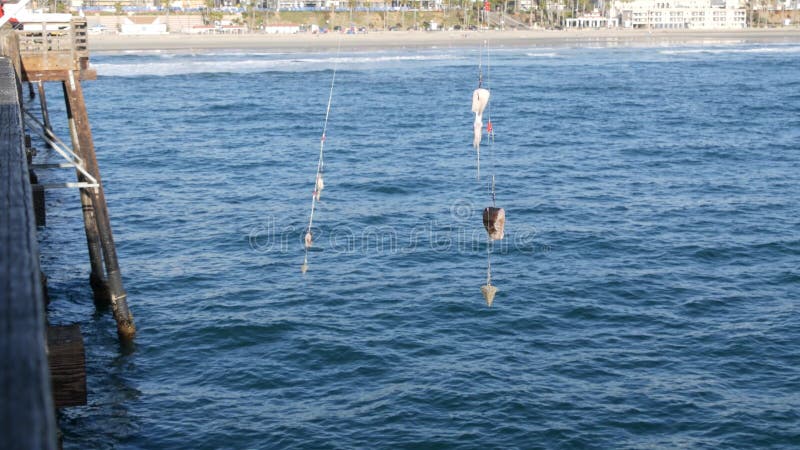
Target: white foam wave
{"points": [[543, 55], [169, 66], [722, 51]]}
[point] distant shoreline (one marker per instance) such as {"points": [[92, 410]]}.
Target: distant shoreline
{"points": [[420, 39]]}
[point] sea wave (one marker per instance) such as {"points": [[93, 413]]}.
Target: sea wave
{"points": [[168, 65], [722, 51], [543, 55]]}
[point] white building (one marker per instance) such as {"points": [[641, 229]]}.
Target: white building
{"points": [[593, 20], [143, 25], [682, 14]]}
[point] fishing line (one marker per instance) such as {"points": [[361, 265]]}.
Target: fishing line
{"points": [[319, 184], [493, 217]]}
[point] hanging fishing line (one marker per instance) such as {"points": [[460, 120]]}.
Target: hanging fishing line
{"points": [[319, 183], [493, 217], [489, 127]]}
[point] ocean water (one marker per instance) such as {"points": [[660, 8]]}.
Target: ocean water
{"points": [[649, 279]]}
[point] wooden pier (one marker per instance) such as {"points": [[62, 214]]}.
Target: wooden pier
{"points": [[43, 366], [27, 417]]}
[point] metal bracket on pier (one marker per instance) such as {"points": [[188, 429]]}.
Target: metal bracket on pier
{"points": [[62, 149]]}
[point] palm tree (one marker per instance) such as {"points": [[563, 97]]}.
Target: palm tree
{"points": [[352, 5]]}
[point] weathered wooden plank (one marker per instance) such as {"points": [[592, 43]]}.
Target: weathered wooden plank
{"points": [[26, 405], [48, 61], [67, 360]]}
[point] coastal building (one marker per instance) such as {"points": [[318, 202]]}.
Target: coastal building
{"points": [[592, 20], [110, 5], [682, 14], [143, 25], [279, 5], [188, 4], [294, 5]]}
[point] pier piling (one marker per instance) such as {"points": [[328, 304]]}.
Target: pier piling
{"points": [[97, 278], [82, 135]]}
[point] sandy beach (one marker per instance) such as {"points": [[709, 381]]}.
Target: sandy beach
{"points": [[417, 39]]}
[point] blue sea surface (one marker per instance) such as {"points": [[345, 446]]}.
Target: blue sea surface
{"points": [[649, 280]]}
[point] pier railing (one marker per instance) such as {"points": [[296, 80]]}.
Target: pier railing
{"points": [[27, 418]]}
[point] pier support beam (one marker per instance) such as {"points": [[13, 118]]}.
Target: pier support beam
{"points": [[96, 220], [97, 278]]}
